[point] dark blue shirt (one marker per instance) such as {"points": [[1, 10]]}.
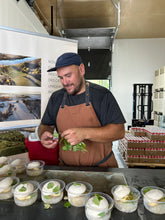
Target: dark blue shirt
{"points": [[103, 102]]}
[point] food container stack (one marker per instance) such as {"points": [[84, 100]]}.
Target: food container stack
{"points": [[159, 97], [148, 148]]}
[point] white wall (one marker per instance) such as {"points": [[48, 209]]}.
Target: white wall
{"points": [[19, 15], [134, 61]]}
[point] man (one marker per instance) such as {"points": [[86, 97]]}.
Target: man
{"points": [[81, 112]]}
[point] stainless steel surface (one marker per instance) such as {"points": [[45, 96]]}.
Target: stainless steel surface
{"points": [[134, 177]]}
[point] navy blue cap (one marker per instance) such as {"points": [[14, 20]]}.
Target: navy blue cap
{"points": [[67, 59]]}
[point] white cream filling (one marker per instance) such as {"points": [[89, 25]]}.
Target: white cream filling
{"points": [[103, 204], [5, 184], [3, 160], [154, 194], [47, 190], [121, 191], [16, 162], [94, 210], [76, 189], [33, 165], [4, 169], [23, 190]]}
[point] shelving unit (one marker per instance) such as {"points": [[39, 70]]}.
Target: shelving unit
{"points": [[159, 97]]}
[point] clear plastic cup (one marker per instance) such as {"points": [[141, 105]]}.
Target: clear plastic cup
{"points": [[20, 164], [101, 211], [6, 185], [78, 198], [35, 167], [7, 170], [26, 197], [4, 160], [126, 205], [51, 193], [152, 205]]}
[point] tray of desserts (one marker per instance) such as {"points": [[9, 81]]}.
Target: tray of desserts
{"points": [[26, 187]]}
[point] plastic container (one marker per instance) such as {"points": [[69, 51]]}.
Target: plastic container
{"points": [[126, 205], [26, 193], [99, 210], [6, 185], [153, 205], [78, 192], [19, 164], [3, 160], [7, 170], [52, 191], [35, 167]]}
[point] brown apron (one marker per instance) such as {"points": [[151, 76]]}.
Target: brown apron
{"points": [[83, 115]]}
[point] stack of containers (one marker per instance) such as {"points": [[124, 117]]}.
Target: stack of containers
{"points": [[143, 145], [159, 97]]}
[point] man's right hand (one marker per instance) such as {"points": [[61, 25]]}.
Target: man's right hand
{"points": [[48, 141]]}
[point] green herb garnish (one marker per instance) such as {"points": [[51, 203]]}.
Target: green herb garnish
{"points": [[55, 135], [56, 189], [50, 185], [67, 205], [97, 198], [47, 197], [22, 189], [102, 214], [76, 184], [10, 173], [146, 190], [32, 195], [47, 206], [68, 147]]}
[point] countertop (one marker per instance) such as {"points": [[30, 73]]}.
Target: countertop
{"points": [[134, 177]]}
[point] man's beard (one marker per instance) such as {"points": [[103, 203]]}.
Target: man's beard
{"points": [[77, 89]]}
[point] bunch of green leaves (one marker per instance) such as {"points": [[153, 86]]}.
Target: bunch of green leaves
{"points": [[68, 147]]}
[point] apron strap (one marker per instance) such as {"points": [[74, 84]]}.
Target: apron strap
{"points": [[63, 100], [104, 159], [86, 96]]}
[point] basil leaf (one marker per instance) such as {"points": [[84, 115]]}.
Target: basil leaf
{"points": [[101, 214], [146, 190], [22, 189], [55, 135], [67, 204], [74, 148], [47, 197], [96, 199], [67, 146], [56, 189], [50, 185], [47, 206], [76, 184], [64, 148]]}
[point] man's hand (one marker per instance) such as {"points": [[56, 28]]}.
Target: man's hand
{"points": [[48, 141], [73, 135]]}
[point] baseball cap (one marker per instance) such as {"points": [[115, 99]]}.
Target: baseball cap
{"points": [[67, 59]]}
